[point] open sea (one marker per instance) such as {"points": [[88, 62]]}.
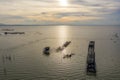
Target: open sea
{"points": [[22, 57]]}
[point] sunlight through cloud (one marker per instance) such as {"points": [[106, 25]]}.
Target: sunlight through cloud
{"points": [[63, 2]]}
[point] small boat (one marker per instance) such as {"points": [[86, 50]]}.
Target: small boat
{"points": [[68, 55], [66, 43], [46, 50], [60, 49]]}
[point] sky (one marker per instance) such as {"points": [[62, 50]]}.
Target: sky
{"points": [[71, 12]]}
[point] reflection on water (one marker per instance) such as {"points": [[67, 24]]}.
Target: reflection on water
{"points": [[7, 59], [23, 58], [63, 34], [5, 71], [63, 37]]}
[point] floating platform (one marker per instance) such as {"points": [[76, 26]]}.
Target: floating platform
{"points": [[91, 64], [14, 33]]}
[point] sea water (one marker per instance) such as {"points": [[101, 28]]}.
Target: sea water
{"points": [[22, 57]]}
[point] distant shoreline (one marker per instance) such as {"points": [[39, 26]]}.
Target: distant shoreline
{"points": [[57, 25]]}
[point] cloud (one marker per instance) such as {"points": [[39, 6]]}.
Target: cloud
{"points": [[62, 17], [11, 17], [37, 11]]}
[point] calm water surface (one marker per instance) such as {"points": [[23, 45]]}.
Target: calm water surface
{"points": [[22, 58]]}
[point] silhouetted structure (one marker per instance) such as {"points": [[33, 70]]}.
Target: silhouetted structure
{"points": [[14, 33], [91, 64]]}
